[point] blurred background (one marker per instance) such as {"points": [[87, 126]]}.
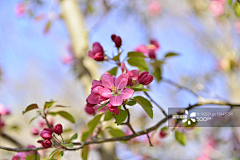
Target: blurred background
{"points": [[43, 56]]}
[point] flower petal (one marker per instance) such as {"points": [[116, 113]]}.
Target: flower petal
{"points": [[93, 98], [121, 81], [126, 93], [107, 81], [105, 92], [134, 74], [116, 100]]}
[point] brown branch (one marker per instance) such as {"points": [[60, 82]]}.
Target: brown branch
{"points": [[10, 139], [179, 86], [143, 132], [155, 103], [128, 120]]}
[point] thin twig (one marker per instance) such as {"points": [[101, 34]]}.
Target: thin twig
{"points": [[129, 137], [179, 86], [128, 119], [165, 114], [149, 140]]}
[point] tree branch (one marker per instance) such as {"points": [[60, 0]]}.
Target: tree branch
{"points": [[128, 120], [201, 102], [155, 103]]}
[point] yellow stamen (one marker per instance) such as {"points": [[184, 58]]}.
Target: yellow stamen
{"points": [[151, 46], [114, 89]]}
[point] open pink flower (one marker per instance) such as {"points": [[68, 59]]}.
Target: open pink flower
{"points": [[97, 52], [19, 9], [114, 89], [217, 7], [150, 49]]}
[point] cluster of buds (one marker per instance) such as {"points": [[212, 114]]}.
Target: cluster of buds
{"points": [[23, 155], [117, 40], [150, 49], [47, 135], [113, 91], [42, 124], [97, 52]]}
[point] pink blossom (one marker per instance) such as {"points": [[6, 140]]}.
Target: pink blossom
{"points": [[4, 110], [67, 58], [97, 52], [237, 26], [22, 155], [217, 7], [124, 68], [145, 78], [154, 8], [19, 9], [35, 131], [150, 49], [114, 89], [113, 109], [90, 110]]}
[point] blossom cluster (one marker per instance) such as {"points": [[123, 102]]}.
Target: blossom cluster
{"points": [[23, 155], [47, 135], [114, 91]]}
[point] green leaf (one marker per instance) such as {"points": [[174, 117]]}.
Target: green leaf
{"points": [[116, 133], [32, 157], [108, 116], [33, 119], [61, 154], [136, 54], [30, 107], [67, 130], [69, 145], [113, 71], [47, 27], [138, 87], [158, 74], [52, 113], [170, 54], [53, 153], [93, 123], [121, 116], [74, 137], [61, 106], [116, 58], [85, 153], [66, 115], [138, 62], [103, 105], [164, 128], [146, 105], [180, 137], [85, 136], [131, 103], [49, 104], [236, 8], [230, 2]]}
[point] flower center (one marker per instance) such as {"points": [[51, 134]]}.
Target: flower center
{"points": [[114, 89], [151, 46]]}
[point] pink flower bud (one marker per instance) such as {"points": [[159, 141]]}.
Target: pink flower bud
{"points": [[113, 109], [145, 79], [46, 133], [113, 36], [46, 144], [123, 68], [152, 54], [155, 43], [162, 134], [99, 57], [58, 129], [67, 58], [118, 41], [90, 105], [39, 141], [154, 8], [35, 131], [19, 9], [16, 158], [90, 110]]}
